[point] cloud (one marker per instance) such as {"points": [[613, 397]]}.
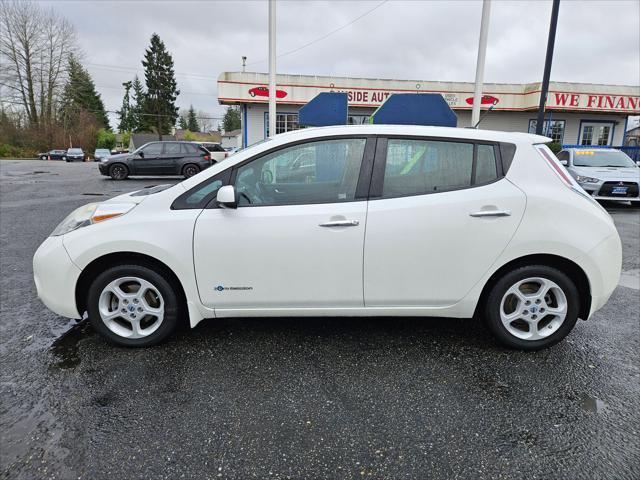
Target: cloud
{"points": [[597, 41]]}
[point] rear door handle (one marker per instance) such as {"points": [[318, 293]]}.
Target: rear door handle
{"points": [[491, 213], [341, 223]]}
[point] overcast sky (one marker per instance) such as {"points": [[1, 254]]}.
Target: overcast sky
{"points": [[597, 41]]}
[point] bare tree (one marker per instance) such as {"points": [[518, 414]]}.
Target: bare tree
{"points": [[34, 46]]}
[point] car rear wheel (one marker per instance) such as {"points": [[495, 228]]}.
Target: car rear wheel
{"points": [[66, 159], [532, 307], [133, 306], [118, 171], [43, 157], [190, 170]]}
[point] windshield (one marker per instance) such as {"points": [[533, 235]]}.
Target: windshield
{"points": [[75, 150], [102, 150], [601, 158]]}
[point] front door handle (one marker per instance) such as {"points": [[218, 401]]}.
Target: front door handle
{"points": [[341, 223], [491, 213]]}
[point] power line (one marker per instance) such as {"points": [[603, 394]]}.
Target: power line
{"points": [[126, 69], [325, 35]]}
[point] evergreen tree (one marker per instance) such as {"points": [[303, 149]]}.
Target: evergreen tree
{"points": [[182, 123], [80, 95], [231, 119], [125, 112], [160, 100], [192, 120], [137, 123]]}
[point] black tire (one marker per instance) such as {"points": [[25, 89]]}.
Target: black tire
{"points": [[493, 306], [118, 171], [189, 170], [172, 305], [43, 157], [66, 159]]}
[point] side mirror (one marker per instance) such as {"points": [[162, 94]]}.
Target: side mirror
{"points": [[226, 197], [141, 154], [564, 162]]}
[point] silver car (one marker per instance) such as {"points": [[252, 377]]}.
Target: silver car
{"points": [[604, 173]]}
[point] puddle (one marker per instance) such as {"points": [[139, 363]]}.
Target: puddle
{"points": [[65, 348], [591, 404]]}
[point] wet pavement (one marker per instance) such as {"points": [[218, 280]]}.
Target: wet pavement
{"points": [[301, 398]]}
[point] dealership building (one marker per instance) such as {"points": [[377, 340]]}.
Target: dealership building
{"points": [[576, 113]]}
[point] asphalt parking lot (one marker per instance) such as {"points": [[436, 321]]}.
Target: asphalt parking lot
{"points": [[301, 398]]}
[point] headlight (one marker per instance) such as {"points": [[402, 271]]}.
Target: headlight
{"points": [[582, 179], [90, 214]]}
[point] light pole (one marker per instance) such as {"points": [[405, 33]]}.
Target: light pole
{"points": [[547, 65], [272, 68], [482, 51]]}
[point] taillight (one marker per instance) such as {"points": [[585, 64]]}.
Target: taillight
{"points": [[207, 158], [226, 154]]}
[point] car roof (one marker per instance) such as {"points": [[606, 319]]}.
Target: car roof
{"points": [[417, 130]]}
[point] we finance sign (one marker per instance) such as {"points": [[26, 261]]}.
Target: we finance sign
{"points": [[594, 101]]}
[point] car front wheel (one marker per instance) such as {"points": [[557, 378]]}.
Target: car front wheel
{"points": [[532, 307], [133, 306], [118, 171]]}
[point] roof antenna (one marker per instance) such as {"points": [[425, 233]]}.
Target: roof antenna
{"points": [[495, 102]]}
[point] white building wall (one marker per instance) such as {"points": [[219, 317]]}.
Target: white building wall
{"points": [[502, 121]]}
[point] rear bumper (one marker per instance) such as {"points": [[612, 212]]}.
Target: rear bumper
{"points": [[603, 265], [56, 276]]}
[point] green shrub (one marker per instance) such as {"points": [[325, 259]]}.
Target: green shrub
{"points": [[11, 151], [555, 147], [105, 139]]}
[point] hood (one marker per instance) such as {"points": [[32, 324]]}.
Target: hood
{"points": [[139, 196], [609, 173], [118, 156]]}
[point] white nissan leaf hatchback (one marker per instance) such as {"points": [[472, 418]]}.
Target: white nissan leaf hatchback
{"points": [[369, 220]]}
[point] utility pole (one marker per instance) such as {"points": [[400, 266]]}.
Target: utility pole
{"points": [[272, 68], [482, 51], [547, 65], [244, 63]]}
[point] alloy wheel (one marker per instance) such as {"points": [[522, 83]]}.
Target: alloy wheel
{"points": [[533, 308], [118, 172], [131, 307]]}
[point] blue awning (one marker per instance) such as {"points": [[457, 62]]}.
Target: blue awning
{"points": [[326, 108], [415, 109]]}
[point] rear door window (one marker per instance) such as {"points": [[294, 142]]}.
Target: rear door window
{"points": [[486, 167], [416, 167], [172, 149]]}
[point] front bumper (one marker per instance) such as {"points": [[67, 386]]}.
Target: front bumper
{"points": [[104, 170], [603, 190], [56, 276]]}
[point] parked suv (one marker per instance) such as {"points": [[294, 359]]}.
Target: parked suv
{"points": [[157, 158], [604, 173], [53, 155], [74, 154], [383, 220]]}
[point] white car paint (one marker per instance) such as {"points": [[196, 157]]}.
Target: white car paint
{"points": [[414, 255]]}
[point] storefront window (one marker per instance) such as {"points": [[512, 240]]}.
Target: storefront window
{"points": [[587, 135], [285, 122], [358, 119], [553, 129]]}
